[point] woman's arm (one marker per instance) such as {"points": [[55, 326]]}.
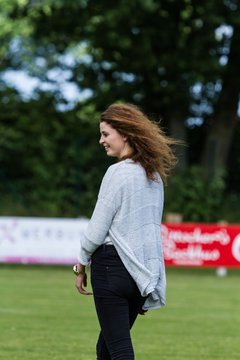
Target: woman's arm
{"points": [[108, 202]]}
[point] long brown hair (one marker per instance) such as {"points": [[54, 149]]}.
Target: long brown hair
{"points": [[151, 146]]}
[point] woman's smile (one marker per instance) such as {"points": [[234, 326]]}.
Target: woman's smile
{"points": [[114, 143]]}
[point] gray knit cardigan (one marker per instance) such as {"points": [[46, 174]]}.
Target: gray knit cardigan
{"points": [[128, 214]]}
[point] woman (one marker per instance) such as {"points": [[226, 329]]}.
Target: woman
{"points": [[123, 238]]}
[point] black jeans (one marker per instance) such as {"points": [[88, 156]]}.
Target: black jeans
{"points": [[117, 300]]}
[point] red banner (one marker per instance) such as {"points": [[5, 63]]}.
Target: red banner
{"points": [[207, 245]]}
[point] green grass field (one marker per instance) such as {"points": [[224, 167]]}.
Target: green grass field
{"points": [[42, 317]]}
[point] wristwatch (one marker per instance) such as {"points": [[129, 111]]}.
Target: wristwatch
{"points": [[78, 272]]}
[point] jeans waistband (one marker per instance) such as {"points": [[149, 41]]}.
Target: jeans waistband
{"points": [[106, 247]]}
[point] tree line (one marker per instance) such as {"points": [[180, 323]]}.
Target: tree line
{"points": [[176, 59]]}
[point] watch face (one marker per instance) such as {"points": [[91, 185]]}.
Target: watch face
{"points": [[75, 269]]}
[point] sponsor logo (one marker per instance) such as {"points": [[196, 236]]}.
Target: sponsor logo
{"points": [[236, 248]]}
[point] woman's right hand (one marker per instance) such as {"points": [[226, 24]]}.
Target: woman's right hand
{"points": [[81, 282]]}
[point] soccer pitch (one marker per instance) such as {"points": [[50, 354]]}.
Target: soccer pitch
{"points": [[42, 317]]}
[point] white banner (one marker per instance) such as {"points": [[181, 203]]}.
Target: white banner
{"points": [[40, 240]]}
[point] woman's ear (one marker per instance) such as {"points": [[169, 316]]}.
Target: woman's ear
{"points": [[125, 139]]}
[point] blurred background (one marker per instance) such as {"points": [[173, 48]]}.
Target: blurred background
{"points": [[63, 62]]}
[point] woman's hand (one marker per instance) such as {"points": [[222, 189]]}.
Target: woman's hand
{"points": [[81, 282], [142, 312]]}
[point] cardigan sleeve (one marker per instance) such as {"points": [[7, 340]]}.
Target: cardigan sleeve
{"points": [[106, 207]]}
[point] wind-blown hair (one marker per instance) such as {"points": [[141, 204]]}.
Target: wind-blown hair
{"points": [[151, 146]]}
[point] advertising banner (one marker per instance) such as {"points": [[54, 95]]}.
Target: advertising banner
{"points": [[207, 245], [56, 241], [40, 240]]}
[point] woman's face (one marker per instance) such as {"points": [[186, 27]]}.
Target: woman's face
{"points": [[114, 143]]}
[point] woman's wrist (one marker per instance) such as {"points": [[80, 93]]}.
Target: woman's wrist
{"points": [[79, 269]]}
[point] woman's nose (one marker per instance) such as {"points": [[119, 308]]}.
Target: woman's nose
{"points": [[101, 140]]}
